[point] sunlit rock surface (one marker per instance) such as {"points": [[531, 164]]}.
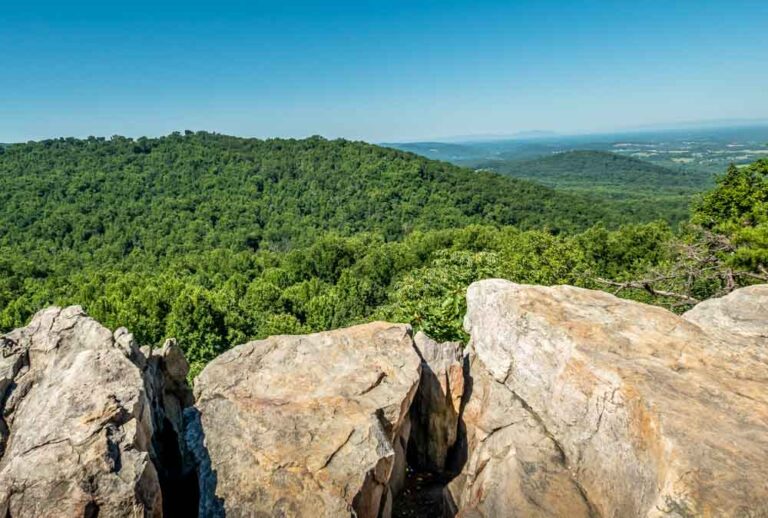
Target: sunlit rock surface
{"points": [[307, 425], [82, 410], [612, 407]]}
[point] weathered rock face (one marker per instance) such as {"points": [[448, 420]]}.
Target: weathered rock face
{"points": [[435, 410], [740, 315], [79, 423], [514, 468], [165, 381], [585, 403], [305, 425]]}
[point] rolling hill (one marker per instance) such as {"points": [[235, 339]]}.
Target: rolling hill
{"points": [[632, 183], [588, 169], [107, 198], [700, 148], [218, 240], [215, 239]]}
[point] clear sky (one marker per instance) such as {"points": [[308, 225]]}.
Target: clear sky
{"points": [[378, 71]]}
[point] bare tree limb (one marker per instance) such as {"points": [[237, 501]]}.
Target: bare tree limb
{"points": [[646, 285], [753, 275]]}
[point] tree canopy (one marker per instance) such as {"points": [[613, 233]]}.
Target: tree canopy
{"points": [[102, 199], [629, 185]]}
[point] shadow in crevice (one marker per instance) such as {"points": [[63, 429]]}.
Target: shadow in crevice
{"points": [[91, 511], [178, 482], [210, 505], [429, 469], [459, 454]]}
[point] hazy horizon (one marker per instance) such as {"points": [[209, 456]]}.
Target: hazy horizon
{"points": [[403, 71], [534, 134]]}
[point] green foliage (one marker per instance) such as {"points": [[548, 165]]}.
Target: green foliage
{"points": [[579, 168], [197, 323], [738, 209], [628, 253], [99, 200], [432, 298], [211, 300]]}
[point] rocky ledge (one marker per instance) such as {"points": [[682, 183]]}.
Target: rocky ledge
{"points": [[566, 402], [308, 425]]}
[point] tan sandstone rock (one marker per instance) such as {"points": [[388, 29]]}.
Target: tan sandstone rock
{"points": [[651, 414], [305, 425], [741, 313], [514, 468], [79, 423]]}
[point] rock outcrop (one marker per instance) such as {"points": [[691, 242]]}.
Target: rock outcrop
{"points": [[566, 403], [311, 425], [586, 404], [82, 410], [741, 315]]}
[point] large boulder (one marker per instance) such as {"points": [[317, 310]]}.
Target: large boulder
{"points": [[310, 425], [590, 404], [80, 408]]}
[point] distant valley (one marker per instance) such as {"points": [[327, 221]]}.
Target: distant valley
{"points": [[708, 149], [652, 174]]}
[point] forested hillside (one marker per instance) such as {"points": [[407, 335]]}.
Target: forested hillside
{"points": [[577, 168], [637, 185], [216, 240], [105, 198]]}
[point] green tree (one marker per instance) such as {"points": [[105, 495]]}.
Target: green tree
{"points": [[433, 298], [197, 325], [738, 209]]}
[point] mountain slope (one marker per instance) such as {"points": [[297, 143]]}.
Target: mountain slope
{"points": [[218, 240], [636, 186], [589, 168], [106, 198]]}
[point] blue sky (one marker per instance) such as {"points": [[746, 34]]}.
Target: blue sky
{"points": [[378, 71]]}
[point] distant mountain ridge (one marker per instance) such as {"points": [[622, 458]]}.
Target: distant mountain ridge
{"points": [[700, 148], [439, 150]]}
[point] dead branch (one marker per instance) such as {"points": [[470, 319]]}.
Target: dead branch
{"points": [[647, 286]]}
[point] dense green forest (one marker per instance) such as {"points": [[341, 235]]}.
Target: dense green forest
{"points": [[217, 240], [100, 199], [623, 173], [662, 192]]}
